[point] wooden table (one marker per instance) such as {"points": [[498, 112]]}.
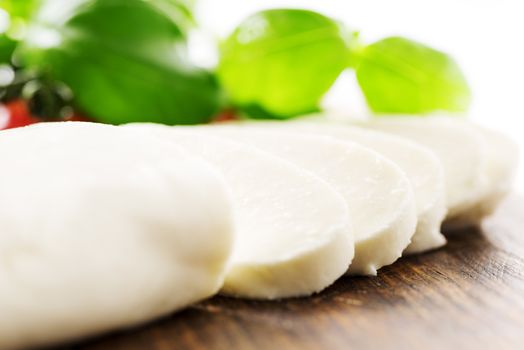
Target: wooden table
{"points": [[467, 295]]}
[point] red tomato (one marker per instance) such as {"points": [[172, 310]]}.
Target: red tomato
{"points": [[225, 116], [15, 114]]}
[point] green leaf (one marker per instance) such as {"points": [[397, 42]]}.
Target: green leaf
{"points": [[20, 13], [398, 75], [19, 8], [7, 47], [180, 11], [281, 62], [125, 62]]}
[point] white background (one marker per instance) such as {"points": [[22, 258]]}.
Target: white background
{"points": [[486, 37]]}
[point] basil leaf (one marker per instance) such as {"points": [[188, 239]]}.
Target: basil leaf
{"points": [[398, 75], [281, 62], [7, 47], [125, 62], [20, 12], [19, 8], [180, 12]]}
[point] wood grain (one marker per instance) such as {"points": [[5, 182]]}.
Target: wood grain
{"points": [[468, 295]]}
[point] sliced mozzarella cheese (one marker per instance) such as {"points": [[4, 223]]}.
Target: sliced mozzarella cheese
{"points": [[293, 233], [101, 229], [377, 193], [422, 167], [501, 165], [461, 150], [502, 160]]}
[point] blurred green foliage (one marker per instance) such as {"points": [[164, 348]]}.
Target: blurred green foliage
{"points": [[125, 62], [19, 8], [7, 47]]}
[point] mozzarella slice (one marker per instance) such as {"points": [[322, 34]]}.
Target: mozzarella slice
{"points": [[501, 164], [293, 232], [101, 229], [421, 166], [461, 150], [503, 155], [377, 193]]}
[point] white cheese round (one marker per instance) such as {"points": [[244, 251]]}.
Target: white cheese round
{"points": [[293, 232], [378, 195], [101, 228], [423, 169], [461, 150]]}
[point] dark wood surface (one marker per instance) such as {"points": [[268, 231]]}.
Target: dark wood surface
{"points": [[467, 295]]}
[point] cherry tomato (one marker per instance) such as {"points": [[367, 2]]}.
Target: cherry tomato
{"points": [[225, 116], [15, 114]]}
